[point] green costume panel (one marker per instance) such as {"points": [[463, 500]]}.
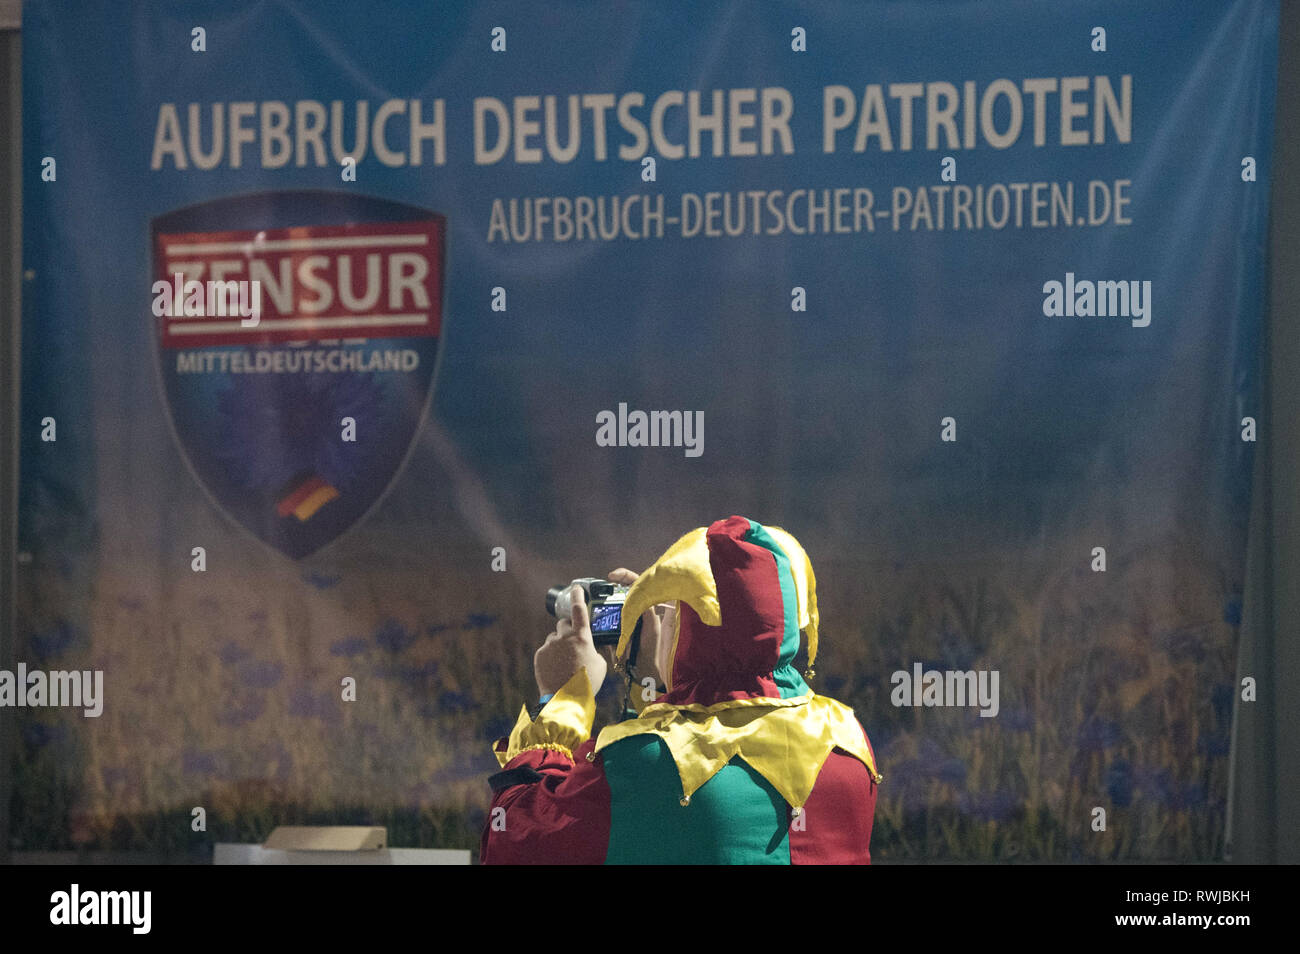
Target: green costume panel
{"points": [[737, 817]]}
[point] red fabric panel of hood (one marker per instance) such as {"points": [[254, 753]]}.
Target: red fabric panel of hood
{"points": [[734, 660]]}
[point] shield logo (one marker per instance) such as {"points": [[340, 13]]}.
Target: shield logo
{"points": [[297, 341]]}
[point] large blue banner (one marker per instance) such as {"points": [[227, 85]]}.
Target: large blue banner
{"points": [[351, 328]]}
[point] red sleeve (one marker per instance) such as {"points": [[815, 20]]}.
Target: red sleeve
{"points": [[836, 827], [548, 810]]}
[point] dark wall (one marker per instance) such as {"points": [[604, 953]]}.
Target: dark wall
{"points": [[1265, 804], [10, 277]]}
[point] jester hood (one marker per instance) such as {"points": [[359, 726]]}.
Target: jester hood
{"points": [[744, 592]]}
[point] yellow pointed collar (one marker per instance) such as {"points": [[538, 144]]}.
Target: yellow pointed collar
{"points": [[784, 740]]}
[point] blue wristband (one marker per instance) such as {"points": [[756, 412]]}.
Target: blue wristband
{"points": [[546, 698]]}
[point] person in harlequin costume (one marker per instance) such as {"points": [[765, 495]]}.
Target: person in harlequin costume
{"points": [[738, 762]]}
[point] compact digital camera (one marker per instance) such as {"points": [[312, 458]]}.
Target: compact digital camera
{"points": [[604, 602]]}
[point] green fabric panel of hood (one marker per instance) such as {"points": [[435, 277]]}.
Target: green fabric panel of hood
{"points": [[788, 681], [735, 818]]}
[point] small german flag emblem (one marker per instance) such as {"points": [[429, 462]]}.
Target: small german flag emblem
{"points": [[306, 495]]}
